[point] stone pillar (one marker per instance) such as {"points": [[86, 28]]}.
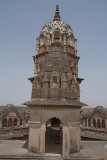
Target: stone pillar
{"points": [[83, 123], [34, 144], [23, 122], [42, 138], [73, 137], [65, 141], [87, 123], [18, 122]]}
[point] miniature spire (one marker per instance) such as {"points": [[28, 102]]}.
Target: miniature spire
{"points": [[57, 16]]}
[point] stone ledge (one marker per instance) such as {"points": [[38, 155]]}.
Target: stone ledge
{"points": [[40, 157], [23, 157]]}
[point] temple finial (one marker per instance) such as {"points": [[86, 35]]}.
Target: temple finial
{"points": [[57, 16]]}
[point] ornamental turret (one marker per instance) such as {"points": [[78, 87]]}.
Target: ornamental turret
{"points": [[56, 62], [55, 102]]}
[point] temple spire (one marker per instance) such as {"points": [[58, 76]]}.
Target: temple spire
{"points": [[57, 16]]}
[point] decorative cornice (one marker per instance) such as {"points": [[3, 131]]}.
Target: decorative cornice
{"points": [[52, 107]]}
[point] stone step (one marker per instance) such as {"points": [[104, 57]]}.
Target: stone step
{"points": [[60, 158], [52, 158], [49, 157]]}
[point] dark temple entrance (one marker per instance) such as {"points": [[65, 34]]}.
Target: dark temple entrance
{"points": [[53, 136]]}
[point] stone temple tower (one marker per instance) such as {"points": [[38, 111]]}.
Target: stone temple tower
{"points": [[54, 124]]}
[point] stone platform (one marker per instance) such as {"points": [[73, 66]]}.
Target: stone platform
{"points": [[17, 149]]}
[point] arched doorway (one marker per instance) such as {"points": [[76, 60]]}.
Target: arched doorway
{"points": [[20, 121], [4, 123], [94, 123], [53, 136]]}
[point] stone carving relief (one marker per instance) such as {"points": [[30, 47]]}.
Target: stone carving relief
{"points": [[54, 81]]}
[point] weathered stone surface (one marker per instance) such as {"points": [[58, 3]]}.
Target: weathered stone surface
{"points": [[34, 137]]}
